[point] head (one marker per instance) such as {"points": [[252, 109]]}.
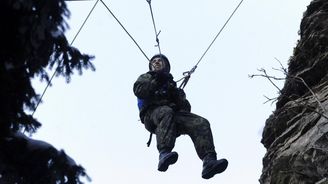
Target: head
{"points": [[159, 62]]}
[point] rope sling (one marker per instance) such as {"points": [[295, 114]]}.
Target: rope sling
{"points": [[186, 74]]}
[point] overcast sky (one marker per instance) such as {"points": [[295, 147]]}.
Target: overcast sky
{"points": [[94, 118]]}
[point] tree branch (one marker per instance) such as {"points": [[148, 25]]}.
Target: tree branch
{"points": [[284, 71]]}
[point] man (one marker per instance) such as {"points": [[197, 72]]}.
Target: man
{"points": [[165, 111]]}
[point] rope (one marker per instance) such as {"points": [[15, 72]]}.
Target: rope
{"points": [[124, 29], [186, 77], [156, 33], [53, 75], [187, 74], [159, 50]]}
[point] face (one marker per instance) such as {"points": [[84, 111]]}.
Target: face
{"points": [[157, 64]]}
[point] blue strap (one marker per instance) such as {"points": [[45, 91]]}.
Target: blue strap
{"points": [[140, 103]]}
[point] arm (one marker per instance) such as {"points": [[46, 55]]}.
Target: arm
{"points": [[181, 101], [145, 85]]}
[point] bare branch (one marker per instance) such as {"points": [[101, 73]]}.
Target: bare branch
{"points": [[284, 71], [282, 67], [268, 77], [270, 99]]}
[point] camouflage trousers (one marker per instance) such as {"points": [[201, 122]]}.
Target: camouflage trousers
{"points": [[168, 125]]}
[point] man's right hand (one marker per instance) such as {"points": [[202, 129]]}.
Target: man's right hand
{"points": [[160, 77]]}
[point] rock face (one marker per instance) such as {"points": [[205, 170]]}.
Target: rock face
{"points": [[296, 134]]}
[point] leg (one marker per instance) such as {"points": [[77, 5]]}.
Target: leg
{"points": [[165, 130], [199, 130]]}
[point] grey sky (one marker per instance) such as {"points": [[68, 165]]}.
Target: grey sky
{"points": [[95, 117]]}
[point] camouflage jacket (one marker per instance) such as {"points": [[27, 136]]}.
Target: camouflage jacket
{"points": [[155, 89]]}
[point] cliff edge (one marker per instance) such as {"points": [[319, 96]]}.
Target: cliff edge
{"points": [[296, 134]]}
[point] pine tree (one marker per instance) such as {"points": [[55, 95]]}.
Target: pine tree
{"points": [[33, 41]]}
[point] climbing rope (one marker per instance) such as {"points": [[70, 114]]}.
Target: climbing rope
{"points": [[187, 74], [55, 72], [76, 35], [156, 33], [135, 42]]}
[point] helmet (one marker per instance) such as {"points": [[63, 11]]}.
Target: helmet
{"points": [[167, 66]]}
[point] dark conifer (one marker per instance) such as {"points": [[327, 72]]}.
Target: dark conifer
{"points": [[32, 40]]}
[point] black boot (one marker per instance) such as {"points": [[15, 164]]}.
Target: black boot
{"points": [[166, 158], [211, 166]]}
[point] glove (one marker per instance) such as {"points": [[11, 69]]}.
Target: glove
{"points": [[161, 77]]}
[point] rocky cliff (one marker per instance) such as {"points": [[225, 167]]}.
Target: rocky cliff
{"points": [[296, 134]]}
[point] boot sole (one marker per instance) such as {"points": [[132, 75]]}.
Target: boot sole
{"points": [[168, 161], [219, 168]]}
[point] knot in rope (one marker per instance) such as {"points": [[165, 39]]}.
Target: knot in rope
{"points": [[156, 33]]}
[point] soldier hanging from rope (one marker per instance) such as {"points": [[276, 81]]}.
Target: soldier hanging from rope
{"points": [[165, 111]]}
